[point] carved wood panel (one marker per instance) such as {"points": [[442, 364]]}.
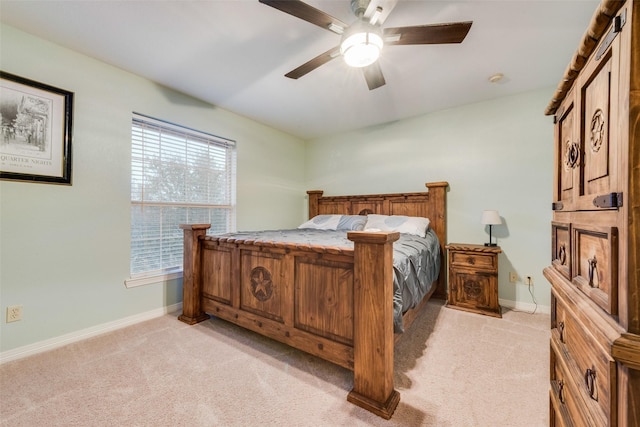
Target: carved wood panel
{"points": [[217, 273], [568, 155], [561, 247], [262, 282], [361, 207], [472, 289], [324, 298], [408, 208], [341, 207], [596, 119], [595, 264]]}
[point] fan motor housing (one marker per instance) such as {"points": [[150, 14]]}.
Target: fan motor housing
{"points": [[359, 7]]}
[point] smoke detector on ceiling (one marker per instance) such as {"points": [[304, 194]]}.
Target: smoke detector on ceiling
{"points": [[496, 78]]}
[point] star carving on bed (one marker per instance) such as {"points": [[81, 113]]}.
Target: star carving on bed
{"points": [[261, 284]]}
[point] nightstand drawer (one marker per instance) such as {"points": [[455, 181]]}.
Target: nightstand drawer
{"points": [[465, 259]]}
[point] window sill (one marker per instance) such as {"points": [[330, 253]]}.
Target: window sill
{"points": [[134, 282]]}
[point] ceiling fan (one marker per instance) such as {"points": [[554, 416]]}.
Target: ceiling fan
{"points": [[363, 40]]}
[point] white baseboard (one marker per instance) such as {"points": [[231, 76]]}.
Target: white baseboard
{"points": [[525, 306], [50, 344]]}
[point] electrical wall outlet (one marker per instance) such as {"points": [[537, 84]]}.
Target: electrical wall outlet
{"points": [[513, 277], [14, 313], [528, 281]]}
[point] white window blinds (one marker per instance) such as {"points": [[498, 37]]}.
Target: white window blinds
{"points": [[178, 176]]}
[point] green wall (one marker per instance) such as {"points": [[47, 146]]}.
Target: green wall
{"points": [[64, 250], [495, 155]]}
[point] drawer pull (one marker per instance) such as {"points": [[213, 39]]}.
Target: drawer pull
{"points": [[561, 329], [561, 391], [562, 255], [593, 272], [471, 260], [590, 383]]}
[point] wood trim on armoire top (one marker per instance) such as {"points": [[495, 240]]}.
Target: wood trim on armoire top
{"points": [[599, 22]]}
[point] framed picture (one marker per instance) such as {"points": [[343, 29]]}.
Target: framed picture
{"points": [[35, 144]]}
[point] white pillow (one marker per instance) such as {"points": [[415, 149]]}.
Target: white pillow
{"points": [[403, 224], [323, 222], [352, 222]]}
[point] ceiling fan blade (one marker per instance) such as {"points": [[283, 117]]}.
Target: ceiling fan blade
{"points": [[453, 32], [311, 65], [373, 76], [308, 13]]}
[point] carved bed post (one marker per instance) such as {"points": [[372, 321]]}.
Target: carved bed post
{"points": [[314, 195], [373, 337], [437, 216], [191, 276]]}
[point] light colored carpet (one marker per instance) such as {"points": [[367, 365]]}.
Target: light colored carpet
{"points": [[452, 368]]}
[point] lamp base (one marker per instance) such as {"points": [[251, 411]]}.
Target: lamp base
{"points": [[491, 244]]}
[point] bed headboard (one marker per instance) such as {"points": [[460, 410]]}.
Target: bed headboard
{"points": [[431, 204]]}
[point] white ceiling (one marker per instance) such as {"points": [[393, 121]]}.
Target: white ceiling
{"points": [[234, 54]]}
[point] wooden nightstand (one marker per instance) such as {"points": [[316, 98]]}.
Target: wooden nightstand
{"points": [[473, 278]]}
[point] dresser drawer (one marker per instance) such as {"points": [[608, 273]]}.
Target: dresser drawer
{"points": [[593, 370], [558, 413], [568, 406], [474, 260], [594, 264], [561, 248]]}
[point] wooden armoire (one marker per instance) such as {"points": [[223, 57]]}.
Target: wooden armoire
{"points": [[594, 266]]}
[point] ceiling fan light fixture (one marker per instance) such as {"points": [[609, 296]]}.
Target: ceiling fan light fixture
{"points": [[361, 44]]}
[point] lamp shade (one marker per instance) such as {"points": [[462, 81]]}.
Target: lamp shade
{"points": [[490, 217], [361, 44]]}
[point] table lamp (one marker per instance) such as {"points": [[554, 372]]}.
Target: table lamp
{"points": [[490, 218]]}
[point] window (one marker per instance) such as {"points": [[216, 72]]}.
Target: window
{"points": [[178, 176]]}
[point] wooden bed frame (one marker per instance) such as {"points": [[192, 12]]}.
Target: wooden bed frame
{"points": [[335, 303]]}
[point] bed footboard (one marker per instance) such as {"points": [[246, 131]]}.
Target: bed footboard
{"points": [[335, 303]]}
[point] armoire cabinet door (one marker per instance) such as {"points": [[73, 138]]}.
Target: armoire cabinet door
{"points": [[599, 150], [567, 157], [586, 165]]}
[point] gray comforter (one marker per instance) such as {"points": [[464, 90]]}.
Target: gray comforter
{"points": [[416, 260]]}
